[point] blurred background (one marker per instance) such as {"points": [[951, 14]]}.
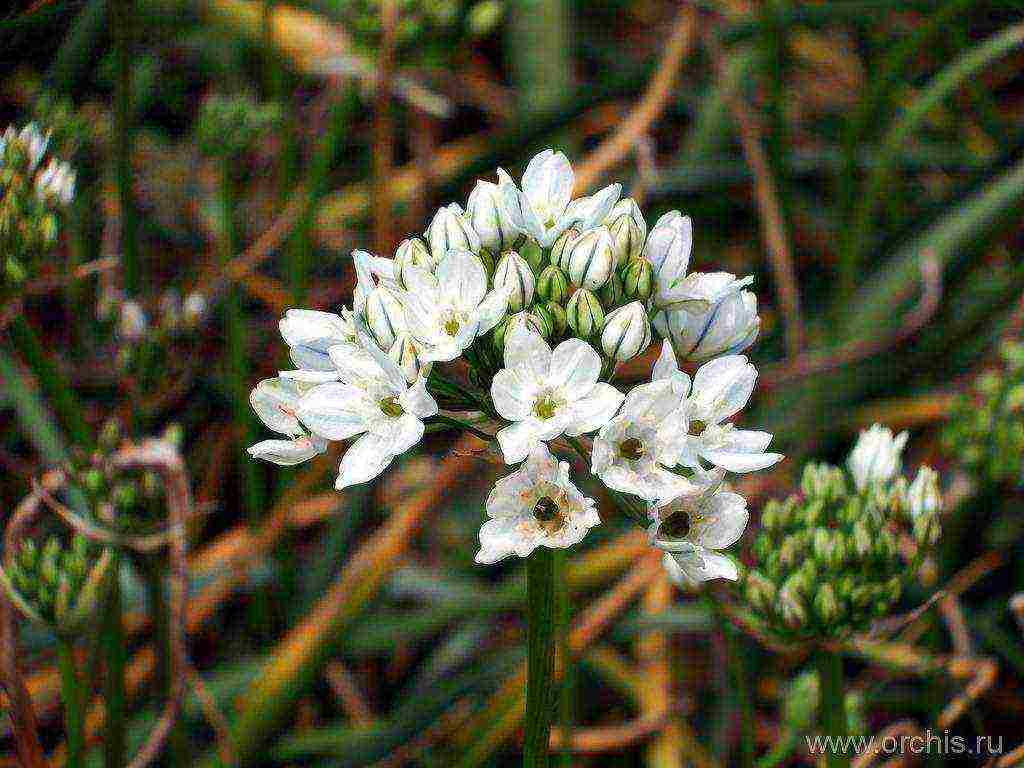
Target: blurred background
{"points": [[863, 159]]}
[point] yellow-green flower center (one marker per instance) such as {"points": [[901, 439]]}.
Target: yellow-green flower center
{"points": [[391, 407], [452, 325], [546, 406]]}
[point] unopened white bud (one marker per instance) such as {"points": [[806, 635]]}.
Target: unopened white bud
{"points": [[628, 229], [56, 182], [717, 317], [668, 250], [627, 332], [515, 274], [405, 354], [591, 258], [450, 230], [412, 252], [132, 323], [924, 496], [384, 316], [486, 213]]}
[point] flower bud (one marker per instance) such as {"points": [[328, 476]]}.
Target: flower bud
{"points": [[450, 230], [560, 250], [534, 256], [133, 322], [584, 314], [627, 332], [628, 229], [543, 318], [924, 496], [412, 252], [384, 316], [826, 605], [716, 317], [504, 328], [611, 294], [403, 352], [668, 249], [193, 309], [488, 217], [591, 258], [558, 318], [638, 280], [513, 272], [876, 456], [553, 285]]}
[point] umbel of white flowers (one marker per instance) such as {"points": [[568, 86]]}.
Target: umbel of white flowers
{"points": [[543, 296]]}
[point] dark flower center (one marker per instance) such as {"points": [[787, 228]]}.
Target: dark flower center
{"points": [[676, 526], [631, 449]]}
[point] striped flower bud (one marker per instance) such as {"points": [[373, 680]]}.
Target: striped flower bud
{"points": [[628, 229], [544, 320], [591, 258], [611, 294], [584, 314], [515, 274], [638, 280], [405, 355], [486, 213], [558, 318], [560, 250], [450, 230], [384, 316], [412, 252], [534, 256], [627, 332], [553, 285]]}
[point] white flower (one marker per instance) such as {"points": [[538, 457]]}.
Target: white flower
{"points": [[132, 323], [876, 456], [194, 308], [275, 401], [447, 311], [720, 389], [716, 318], [547, 393], [383, 410], [628, 229], [535, 506], [693, 526], [627, 332], [924, 496], [56, 181], [489, 218], [310, 335], [376, 298], [668, 250], [450, 230], [31, 139], [541, 208], [590, 258], [633, 451], [412, 253], [514, 275]]}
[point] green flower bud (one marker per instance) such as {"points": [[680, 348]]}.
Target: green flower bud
{"points": [[553, 285], [544, 320], [558, 318], [559, 255], [628, 229], [513, 271], [612, 295], [584, 314], [825, 604], [533, 254], [638, 280]]}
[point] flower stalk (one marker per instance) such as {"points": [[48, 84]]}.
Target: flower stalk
{"points": [[114, 653], [833, 704], [540, 597], [74, 696]]}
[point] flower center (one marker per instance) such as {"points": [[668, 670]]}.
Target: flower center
{"points": [[452, 324], [548, 514], [632, 449], [676, 526], [546, 406], [390, 406], [697, 426]]}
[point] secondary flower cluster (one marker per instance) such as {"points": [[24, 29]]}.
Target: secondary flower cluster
{"points": [[544, 297], [829, 559], [32, 196]]}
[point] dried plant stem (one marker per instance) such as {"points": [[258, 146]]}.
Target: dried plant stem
{"points": [[540, 672], [833, 704], [74, 696]]}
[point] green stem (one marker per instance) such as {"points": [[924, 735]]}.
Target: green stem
{"points": [[73, 694], [465, 425], [55, 388], [540, 594], [567, 689], [156, 595], [833, 703], [743, 694], [121, 12], [115, 653]]}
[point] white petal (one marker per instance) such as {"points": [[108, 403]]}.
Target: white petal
{"points": [[310, 359], [462, 278], [595, 410], [392, 373], [722, 387], [526, 349], [363, 461], [397, 436], [310, 328], [741, 462], [512, 394], [652, 402], [287, 453], [420, 282], [591, 211], [666, 365], [336, 411], [541, 465], [723, 518], [499, 538], [517, 440], [418, 401], [548, 181], [309, 377], [576, 366], [275, 401], [492, 310]]}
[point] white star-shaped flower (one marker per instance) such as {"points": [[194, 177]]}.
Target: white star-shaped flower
{"points": [[542, 207], [548, 393], [692, 527], [633, 451], [382, 409], [275, 401], [535, 506], [447, 310], [720, 389]]}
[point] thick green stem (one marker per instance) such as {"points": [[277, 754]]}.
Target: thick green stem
{"points": [[540, 669], [568, 687], [121, 13], [74, 696], [115, 654], [737, 667], [833, 705]]}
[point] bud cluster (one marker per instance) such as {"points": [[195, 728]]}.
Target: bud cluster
{"points": [[421, 21], [34, 191], [229, 125], [986, 430], [828, 560], [57, 583]]}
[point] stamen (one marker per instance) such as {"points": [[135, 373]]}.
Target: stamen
{"points": [[391, 407]]}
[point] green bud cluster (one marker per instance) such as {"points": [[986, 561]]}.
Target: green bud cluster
{"points": [[986, 429], [421, 22], [228, 126], [57, 582], [827, 559], [35, 189], [70, 131]]}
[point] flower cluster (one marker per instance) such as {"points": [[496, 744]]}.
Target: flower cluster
{"points": [[228, 125], [34, 190], [986, 431], [544, 297], [828, 559]]}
